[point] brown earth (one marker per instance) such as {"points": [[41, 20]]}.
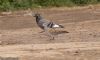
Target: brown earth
{"points": [[19, 34]]}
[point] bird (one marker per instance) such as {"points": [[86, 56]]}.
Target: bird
{"points": [[45, 25]]}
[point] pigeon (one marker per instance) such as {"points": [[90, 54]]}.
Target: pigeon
{"points": [[45, 25]]}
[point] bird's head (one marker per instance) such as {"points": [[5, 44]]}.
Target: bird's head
{"points": [[36, 15]]}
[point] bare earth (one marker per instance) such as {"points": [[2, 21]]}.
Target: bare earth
{"points": [[20, 37]]}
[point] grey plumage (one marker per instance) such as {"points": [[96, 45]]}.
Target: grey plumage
{"points": [[44, 24]]}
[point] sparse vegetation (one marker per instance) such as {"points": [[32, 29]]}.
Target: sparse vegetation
{"points": [[6, 5]]}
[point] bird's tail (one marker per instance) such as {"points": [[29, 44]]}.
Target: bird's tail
{"points": [[61, 31], [61, 26]]}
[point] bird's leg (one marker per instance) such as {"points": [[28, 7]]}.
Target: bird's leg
{"points": [[51, 36], [54, 30], [46, 30]]}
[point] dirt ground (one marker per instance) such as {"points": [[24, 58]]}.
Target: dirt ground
{"points": [[83, 25]]}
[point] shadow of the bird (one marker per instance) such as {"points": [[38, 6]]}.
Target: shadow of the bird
{"points": [[56, 31]]}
